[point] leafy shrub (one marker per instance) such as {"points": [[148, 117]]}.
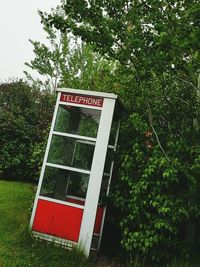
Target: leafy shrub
{"points": [[25, 115], [157, 190]]}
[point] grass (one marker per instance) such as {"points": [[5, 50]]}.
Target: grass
{"points": [[17, 247]]}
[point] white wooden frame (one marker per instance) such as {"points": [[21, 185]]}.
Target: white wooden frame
{"points": [[97, 168]]}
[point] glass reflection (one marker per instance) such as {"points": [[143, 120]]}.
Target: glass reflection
{"points": [[71, 152], [76, 120], [65, 185]]}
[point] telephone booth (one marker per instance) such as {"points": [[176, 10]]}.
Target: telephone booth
{"points": [[69, 206]]}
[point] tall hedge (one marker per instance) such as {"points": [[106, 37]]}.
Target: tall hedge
{"points": [[25, 115]]}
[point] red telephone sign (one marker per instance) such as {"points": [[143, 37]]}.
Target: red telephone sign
{"points": [[82, 99]]}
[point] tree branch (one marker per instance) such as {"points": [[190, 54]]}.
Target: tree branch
{"points": [[154, 131]]}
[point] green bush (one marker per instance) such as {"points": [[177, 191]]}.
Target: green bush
{"points": [[25, 115], [157, 190], [156, 46]]}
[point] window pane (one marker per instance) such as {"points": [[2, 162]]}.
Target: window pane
{"points": [[103, 191], [106, 176], [109, 159], [71, 152], [65, 185], [113, 132], [76, 120]]}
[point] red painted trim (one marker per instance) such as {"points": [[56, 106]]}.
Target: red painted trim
{"points": [[82, 99], [75, 201], [98, 221]]}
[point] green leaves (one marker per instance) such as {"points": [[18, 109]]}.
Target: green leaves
{"points": [[148, 53], [158, 195], [25, 113]]}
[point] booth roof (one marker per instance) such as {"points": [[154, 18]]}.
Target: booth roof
{"points": [[85, 92]]}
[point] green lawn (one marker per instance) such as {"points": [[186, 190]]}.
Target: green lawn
{"points": [[17, 248]]}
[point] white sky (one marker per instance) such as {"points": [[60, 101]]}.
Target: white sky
{"points": [[19, 22]]}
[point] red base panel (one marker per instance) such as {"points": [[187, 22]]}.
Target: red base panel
{"points": [[61, 220], [58, 220]]}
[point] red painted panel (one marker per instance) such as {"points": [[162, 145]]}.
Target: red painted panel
{"points": [[82, 99], [98, 221], [61, 220], [58, 220], [99, 216]]}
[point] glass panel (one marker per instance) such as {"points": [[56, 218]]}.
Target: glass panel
{"points": [[65, 185], [106, 177], [109, 159], [76, 120], [71, 152], [103, 192], [113, 132]]}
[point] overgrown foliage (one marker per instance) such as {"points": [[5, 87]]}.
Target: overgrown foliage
{"points": [[25, 115], [156, 45]]}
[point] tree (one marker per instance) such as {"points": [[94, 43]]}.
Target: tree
{"points": [[67, 62], [156, 45], [25, 115]]}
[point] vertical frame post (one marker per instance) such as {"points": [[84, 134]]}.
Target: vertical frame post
{"points": [[44, 161], [94, 186]]}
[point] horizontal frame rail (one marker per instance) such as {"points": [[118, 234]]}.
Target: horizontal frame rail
{"points": [[81, 137], [79, 105], [67, 168], [66, 203]]}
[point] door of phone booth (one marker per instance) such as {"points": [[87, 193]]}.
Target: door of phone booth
{"points": [[77, 168]]}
